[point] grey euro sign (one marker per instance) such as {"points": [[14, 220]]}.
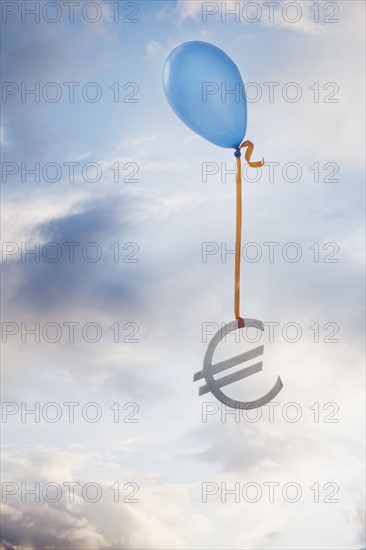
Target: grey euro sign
{"points": [[213, 385]]}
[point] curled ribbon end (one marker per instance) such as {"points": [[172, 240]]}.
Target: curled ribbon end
{"points": [[256, 164], [248, 155]]}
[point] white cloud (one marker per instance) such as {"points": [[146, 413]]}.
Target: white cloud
{"points": [[84, 155], [2, 136], [187, 9], [291, 16], [153, 48]]}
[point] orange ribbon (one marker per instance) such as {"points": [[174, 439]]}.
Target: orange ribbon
{"points": [[248, 153]]}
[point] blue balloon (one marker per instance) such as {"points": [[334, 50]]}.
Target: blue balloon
{"points": [[205, 89]]}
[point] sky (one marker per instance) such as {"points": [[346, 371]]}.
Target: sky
{"points": [[130, 217]]}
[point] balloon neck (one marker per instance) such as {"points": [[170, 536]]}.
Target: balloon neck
{"points": [[237, 154]]}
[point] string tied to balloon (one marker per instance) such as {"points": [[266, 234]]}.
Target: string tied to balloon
{"points": [[239, 217]]}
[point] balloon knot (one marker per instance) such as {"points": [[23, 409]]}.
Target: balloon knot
{"points": [[237, 154]]}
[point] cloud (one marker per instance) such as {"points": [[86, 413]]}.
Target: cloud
{"points": [[295, 17], [187, 9], [2, 136], [42, 54], [356, 517], [153, 48], [59, 529], [47, 282], [5, 545], [153, 522]]}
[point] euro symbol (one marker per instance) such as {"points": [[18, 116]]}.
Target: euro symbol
{"points": [[209, 370]]}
